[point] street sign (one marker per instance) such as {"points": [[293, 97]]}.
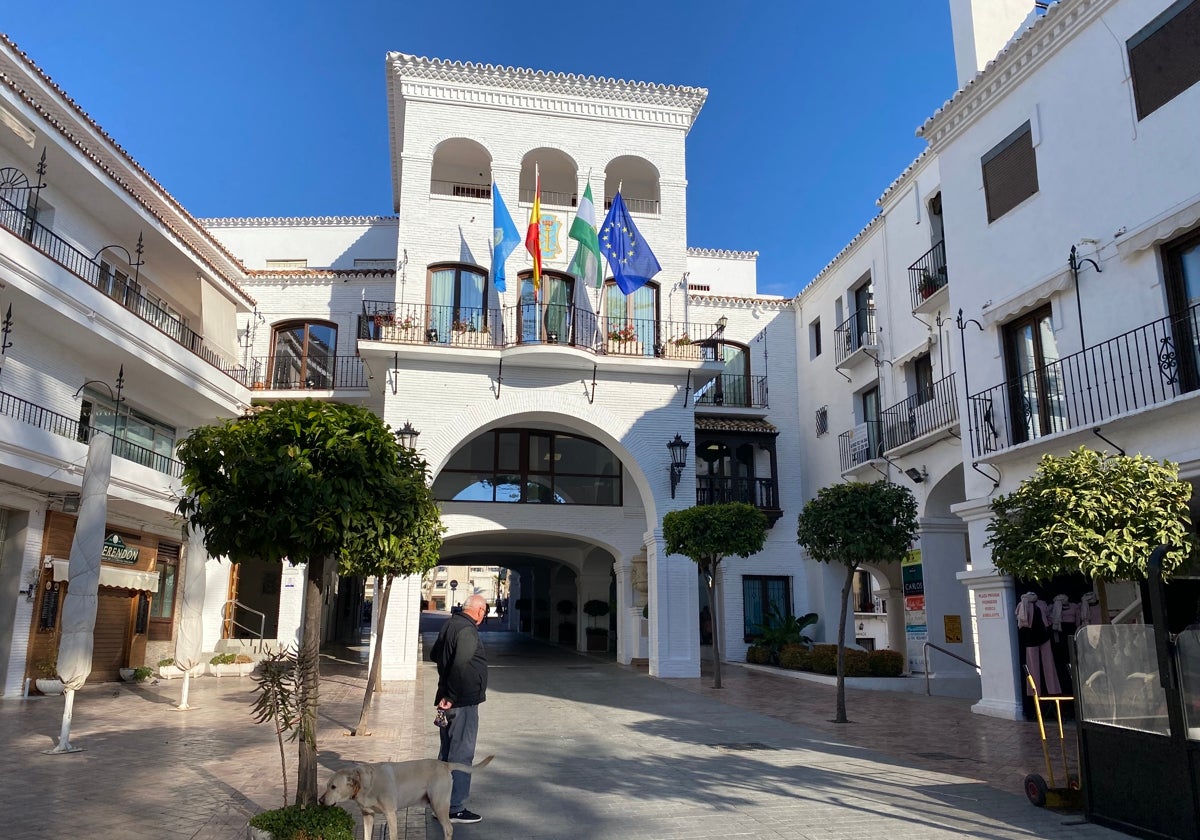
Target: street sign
{"points": [[454, 584]]}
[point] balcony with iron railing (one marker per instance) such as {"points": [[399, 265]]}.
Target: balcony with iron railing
{"points": [[859, 446], [760, 492], [457, 189], [731, 390], [927, 276], [286, 372], [854, 337], [535, 324], [645, 206], [550, 198], [1147, 366], [912, 420], [88, 269], [69, 427]]}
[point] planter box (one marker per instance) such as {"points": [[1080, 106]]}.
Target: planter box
{"points": [[49, 687], [234, 669], [470, 339], [624, 348], [174, 672], [407, 335], [597, 642], [671, 350]]}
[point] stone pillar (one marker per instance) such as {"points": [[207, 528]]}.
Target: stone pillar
{"points": [[893, 597], [994, 596], [628, 629], [401, 630], [674, 607]]}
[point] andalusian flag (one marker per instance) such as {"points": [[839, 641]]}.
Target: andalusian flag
{"points": [[533, 242], [587, 261]]}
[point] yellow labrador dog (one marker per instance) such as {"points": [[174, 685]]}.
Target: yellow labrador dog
{"points": [[389, 786]]}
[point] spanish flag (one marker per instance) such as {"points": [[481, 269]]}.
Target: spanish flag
{"points": [[533, 241]]}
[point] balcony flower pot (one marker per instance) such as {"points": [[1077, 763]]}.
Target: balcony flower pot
{"points": [[469, 338], [616, 347], [681, 349], [405, 332]]}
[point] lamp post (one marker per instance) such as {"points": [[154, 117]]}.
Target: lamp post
{"points": [[5, 329], [678, 448], [115, 396]]}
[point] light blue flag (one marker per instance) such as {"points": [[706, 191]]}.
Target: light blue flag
{"points": [[505, 238]]}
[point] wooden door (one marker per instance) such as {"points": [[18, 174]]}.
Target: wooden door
{"points": [[110, 650]]}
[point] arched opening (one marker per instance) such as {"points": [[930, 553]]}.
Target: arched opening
{"points": [[559, 174], [637, 179], [461, 168], [303, 355]]}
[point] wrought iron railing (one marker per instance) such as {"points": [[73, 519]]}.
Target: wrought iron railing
{"points": [[922, 413], [16, 221], [649, 206], [719, 489], [737, 391], [859, 445], [547, 324], [285, 372], [69, 427], [855, 333], [928, 275], [460, 190], [551, 197], [1146, 366]]}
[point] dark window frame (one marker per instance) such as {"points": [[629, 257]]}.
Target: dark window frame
{"points": [[458, 310], [1022, 425], [1001, 168], [1183, 324], [501, 474], [162, 621], [750, 631], [310, 381], [1156, 82]]}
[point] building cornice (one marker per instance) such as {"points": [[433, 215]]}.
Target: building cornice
{"points": [[316, 273], [852, 245], [491, 85], [1020, 58], [723, 254], [902, 178], [50, 102], [294, 221], [741, 302]]}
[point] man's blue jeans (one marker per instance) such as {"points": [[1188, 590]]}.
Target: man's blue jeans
{"points": [[458, 747]]}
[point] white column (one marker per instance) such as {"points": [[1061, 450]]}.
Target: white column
{"points": [[674, 608], [628, 629], [401, 630], [994, 597]]}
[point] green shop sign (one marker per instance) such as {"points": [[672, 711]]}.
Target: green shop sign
{"points": [[115, 551]]}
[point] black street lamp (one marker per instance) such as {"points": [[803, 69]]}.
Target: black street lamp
{"points": [[678, 448], [406, 435]]}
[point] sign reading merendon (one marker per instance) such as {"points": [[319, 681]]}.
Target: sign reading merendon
{"points": [[115, 551]]}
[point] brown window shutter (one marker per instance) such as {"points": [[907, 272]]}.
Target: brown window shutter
{"points": [[1010, 173], [1164, 58]]}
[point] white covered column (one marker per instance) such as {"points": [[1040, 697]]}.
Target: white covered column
{"points": [[627, 629], [401, 630], [674, 606]]}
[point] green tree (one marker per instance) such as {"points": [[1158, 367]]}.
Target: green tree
{"points": [[852, 524], [1097, 514], [707, 534], [302, 481]]}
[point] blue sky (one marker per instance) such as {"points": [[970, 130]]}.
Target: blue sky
{"points": [[272, 108]]}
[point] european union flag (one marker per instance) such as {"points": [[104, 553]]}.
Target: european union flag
{"points": [[505, 238], [630, 258]]}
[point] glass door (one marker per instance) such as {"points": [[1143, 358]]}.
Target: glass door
{"points": [[1036, 399], [1183, 297]]}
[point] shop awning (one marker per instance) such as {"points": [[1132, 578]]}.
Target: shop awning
{"points": [[111, 576]]}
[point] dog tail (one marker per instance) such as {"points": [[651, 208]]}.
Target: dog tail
{"points": [[467, 768]]}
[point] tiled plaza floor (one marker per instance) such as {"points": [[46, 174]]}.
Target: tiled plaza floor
{"points": [[586, 749]]}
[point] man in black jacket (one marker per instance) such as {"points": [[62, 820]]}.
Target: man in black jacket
{"points": [[462, 686]]}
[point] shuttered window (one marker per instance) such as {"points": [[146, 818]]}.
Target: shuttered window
{"points": [[1010, 172], [1164, 57]]}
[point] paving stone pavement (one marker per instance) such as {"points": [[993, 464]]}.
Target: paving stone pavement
{"points": [[585, 749]]}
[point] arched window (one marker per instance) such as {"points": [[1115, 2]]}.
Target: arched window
{"points": [[458, 295], [631, 319], [461, 169], [304, 355], [531, 466], [637, 179]]}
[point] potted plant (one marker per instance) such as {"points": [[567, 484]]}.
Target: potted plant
{"points": [[597, 637], [467, 332], [931, 281], [566, 628], [681, 347], [136, 675], [168, 670], [624, 341], [244, 663], [223, 665], [277, 701], [48, 681]]}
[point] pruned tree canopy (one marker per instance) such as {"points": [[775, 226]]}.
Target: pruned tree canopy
{"points": [[855, 523], [708, 533], [1093, 513]]}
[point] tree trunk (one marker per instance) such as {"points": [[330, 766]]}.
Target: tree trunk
{"points": [[841, 651], [310, 651], [711, 580], [384, 587]]}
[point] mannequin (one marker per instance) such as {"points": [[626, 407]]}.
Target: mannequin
{"points": [[1033, 633], [1089, 610]]}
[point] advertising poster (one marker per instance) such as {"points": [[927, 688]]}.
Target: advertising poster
{"points": [[916, 631]]}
